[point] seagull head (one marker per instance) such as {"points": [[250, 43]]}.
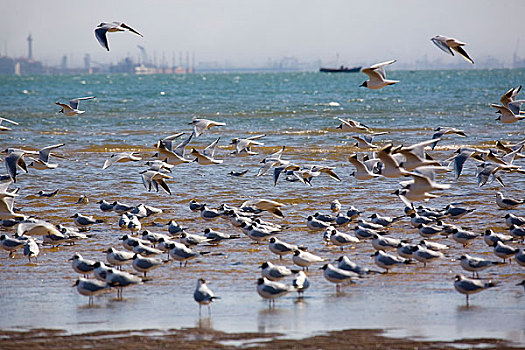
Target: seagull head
{"points": [[365, 84]]}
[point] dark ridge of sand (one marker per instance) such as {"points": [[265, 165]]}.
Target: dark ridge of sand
{"points": [[204, 338]]}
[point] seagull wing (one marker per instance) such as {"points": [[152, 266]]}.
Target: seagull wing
{"points": [[124, 25], [210, 150], [74, 102], [463, 53], [179, 150], [442, 44], [100, 34], [43, 154], [64, 106]]}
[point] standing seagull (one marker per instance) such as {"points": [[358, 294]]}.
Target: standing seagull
{"points": [[377, 76], [203, 295], [507, 202], [71, 109], [103, 28], [469, 286], [448, 44]]}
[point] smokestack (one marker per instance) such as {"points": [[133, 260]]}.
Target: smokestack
{"points": [[30, 47]]}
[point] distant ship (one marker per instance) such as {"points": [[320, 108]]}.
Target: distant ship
{"points": [[341, 69]]}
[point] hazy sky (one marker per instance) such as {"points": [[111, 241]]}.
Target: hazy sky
{"points": [[247, 32]]}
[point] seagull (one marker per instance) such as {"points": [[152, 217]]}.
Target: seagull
{"points": [[446, 44], [510, 96], [181, 253], [238, 173], [281, 248], [31, 249], [102, 29], [422, 184], [121, 157], [118, 257], [207, 156], [5, 128], [120, 280], [380, 242], [344, 263], [305, 259], [336, 275], [268, 205], [504, 251], [11, 244], [71, 109], [210, 214], [387, 261], [275, 272], [454, 212], [155, 178], [81, 265], [144, 250], [203, 295], [440, 131], [362, 172], [84, 221], [301, 283], [14, 160], [377, 76], [391, 168], [507, 202], [272, 290], [363, 143], [201, 125], [474, 265], [469, 286], [520, 258], [508, 116], [189, 239], [42, 162], [317, 225], [145, 264], [352, 126], [128, 242], [243, 145], [48, 193], [463, 236], [511, 219], [341, 239], [216, 236], [90, 288], [491, 238], [100, 271], [335, 206], [173, 155], [106, 206], [424, 255]]}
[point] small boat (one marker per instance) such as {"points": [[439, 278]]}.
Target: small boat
{"points": [[341, 69]]}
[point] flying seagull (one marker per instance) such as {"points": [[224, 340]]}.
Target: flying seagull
{"points": [[103, 28], [448, 44]]}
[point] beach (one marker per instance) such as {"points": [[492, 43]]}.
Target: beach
{"points": [[412, 306]]}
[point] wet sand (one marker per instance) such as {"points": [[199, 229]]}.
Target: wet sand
{"points": [[203, 338]]}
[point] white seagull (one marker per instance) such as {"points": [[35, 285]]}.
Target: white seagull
{"points": [[377, 76], [71, 109], [102, 29], [448, 44]]}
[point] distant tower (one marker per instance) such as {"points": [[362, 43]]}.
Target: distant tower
{"points": [[87, 62], [63, 65], [30, 47]]}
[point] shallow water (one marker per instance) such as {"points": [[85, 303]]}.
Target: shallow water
{"points": [[293, 109]]}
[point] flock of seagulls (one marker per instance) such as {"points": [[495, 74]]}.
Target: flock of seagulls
{"points": [[420, 170]]}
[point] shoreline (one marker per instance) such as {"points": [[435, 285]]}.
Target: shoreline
{"points": [[206, 338]]}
